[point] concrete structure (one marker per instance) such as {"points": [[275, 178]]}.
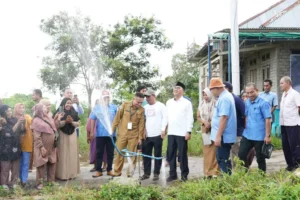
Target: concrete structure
{"points": [[267, 41]]}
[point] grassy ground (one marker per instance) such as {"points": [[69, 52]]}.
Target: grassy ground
{"points": [[241, 185], [84, 147]]}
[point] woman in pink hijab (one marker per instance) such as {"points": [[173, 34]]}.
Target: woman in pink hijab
{"points": [[45, 153]]}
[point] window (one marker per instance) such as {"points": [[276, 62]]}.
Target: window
{"points": [[253, 62], [265, 57], [266, 72], [253, 76]]}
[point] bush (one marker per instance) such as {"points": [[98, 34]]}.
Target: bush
{"points": [[115, 191]]}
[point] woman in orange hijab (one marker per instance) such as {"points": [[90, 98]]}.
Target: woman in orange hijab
{"points": [[26, 141]]}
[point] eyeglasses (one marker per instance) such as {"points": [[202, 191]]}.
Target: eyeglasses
{"points": [[139, 102]]}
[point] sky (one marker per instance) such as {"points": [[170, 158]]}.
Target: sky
{"points": [[22, 43]]}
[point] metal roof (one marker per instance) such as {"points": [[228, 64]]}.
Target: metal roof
{"points": [[272, 12], [264, 30], [289, 17]]}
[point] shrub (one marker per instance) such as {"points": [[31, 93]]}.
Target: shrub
{"points": [[114, 191]]}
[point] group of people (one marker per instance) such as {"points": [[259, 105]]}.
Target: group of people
{"points": [[230, 125], [142, 123], [241, 126], [50, 139]]}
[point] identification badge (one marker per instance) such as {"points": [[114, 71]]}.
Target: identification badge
{"points": [[129, 126]]}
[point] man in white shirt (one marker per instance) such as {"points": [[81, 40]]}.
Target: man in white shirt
{"points": [[180, 124], [290, 123], [76, 105], [155, 132]]}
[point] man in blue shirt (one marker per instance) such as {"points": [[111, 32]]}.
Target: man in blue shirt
{"points": [[258, 126], [269, 96], [240, 117], [103, 114], [224, 124]]}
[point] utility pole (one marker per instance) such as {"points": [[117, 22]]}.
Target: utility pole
{"points": [[235, 49]]}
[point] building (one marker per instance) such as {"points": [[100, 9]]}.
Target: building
{"points": [[269, 49]]}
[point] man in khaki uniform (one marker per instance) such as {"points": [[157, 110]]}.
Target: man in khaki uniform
{"points": [[130, 121]]}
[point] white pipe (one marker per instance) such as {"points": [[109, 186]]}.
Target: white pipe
{"points": [[200, 83], [235, 57]]}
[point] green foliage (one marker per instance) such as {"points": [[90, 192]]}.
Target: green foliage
{"points": [[128, 192], [20, 98], [244, 185], [82, 52], [76, 53], [126, 46]]}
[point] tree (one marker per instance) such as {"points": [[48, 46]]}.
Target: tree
{"points": [[184, 72], [75, 53], [20, 98], [127, 46]]}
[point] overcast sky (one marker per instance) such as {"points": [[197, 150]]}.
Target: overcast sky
{"points": [[22, 43]]}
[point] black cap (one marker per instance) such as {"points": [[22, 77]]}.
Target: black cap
{"points": [[228, 86], [181, 85]]}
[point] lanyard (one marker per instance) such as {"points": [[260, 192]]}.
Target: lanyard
{"points": [[131, 114]]}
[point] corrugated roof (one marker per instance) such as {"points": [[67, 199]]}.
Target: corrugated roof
{"points": [[289, 17], [258, 20], [264, 30]]}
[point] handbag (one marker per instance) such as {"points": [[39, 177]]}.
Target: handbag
{"points": [[55, 134], [267, 150]]}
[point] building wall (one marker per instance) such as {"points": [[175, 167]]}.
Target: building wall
{"points": [[261, 64], [279, 65], [284, 52]]}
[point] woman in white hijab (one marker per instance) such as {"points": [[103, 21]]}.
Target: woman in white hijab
{"points": [[204, 116]]}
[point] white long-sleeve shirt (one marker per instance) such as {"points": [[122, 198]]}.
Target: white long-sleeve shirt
{"points": [[180, 116], [156, 119]]}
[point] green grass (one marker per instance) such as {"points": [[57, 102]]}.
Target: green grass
{"points": [[244, 185], [276, 141], [84, 147]]}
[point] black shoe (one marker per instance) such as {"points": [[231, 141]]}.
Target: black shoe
{"points": [[184, 178], [170, 178], [290, 168], [156, 177], [144, 177]]}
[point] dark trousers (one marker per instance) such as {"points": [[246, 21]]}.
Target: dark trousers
{"points": [[291, 145], [149, 144], [223, 157], [101, 143], [245, 148], [174, 143]]}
